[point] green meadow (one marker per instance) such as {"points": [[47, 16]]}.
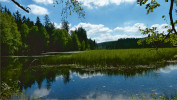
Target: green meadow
{"points": [[114, 57]]}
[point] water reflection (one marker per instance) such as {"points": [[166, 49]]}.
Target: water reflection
{"points": [[167, 69], [84, 76], [104, 96], [72, 82], [38, 93]]}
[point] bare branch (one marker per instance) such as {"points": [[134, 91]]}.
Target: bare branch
{"points": [[20, 6]]}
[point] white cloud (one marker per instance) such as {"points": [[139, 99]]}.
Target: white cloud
{"points": [[101, 33], [161, 28], [59, 25], [93, 29], [38, 10], [4, 0], [44, 1], [100, 3], [111, 37], [131, 29]]}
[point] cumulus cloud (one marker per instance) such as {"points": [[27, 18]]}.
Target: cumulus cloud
{"points": [[161, 28], [131, 29], [59, 25], [111, 37], [38, 10], [101, 33], [100, 3], [44, 1], [93, 28]]}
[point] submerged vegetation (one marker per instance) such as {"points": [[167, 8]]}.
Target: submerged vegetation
{"points": [[114, 57]]}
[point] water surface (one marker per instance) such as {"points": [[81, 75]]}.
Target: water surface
{"points": [[78, 83]]}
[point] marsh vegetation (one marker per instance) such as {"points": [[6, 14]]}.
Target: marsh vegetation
{"points": [[114, 57]]}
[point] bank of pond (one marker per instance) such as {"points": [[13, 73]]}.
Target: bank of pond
{"points": [[97, 74]]}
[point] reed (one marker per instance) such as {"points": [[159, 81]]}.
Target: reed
{"points": [[114, 57]]}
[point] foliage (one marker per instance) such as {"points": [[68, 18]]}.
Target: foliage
{"points": [[8, 91], [68, 6], [156, 37], [83, 45], [24, 31], [71, 6], [65, 25], [59, 39], [10, 36], [76, 42], [91, 44], [37, 37]]}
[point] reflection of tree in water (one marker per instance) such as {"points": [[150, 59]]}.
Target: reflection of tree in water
{"points": [[18, 69], [66, 77]]}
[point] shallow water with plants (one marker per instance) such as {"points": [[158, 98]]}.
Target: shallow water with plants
{"points": [[74, 82]]}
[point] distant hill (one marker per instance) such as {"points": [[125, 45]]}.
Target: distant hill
{"points": [[127, 43], [120, 44]]}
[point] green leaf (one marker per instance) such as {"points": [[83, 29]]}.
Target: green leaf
{"points": [[163, 16]]}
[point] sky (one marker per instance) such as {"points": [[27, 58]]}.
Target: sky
{"points": [[105, 20]]}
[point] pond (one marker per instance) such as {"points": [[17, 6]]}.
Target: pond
{"points": [[68, 82]]}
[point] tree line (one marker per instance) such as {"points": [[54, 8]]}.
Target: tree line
{"points": [[127, 43], [21, 36]]}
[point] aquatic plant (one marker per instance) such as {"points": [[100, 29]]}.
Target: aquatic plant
{"points": [[117, 57]]}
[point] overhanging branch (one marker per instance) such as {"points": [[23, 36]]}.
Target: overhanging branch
{"points": [[20, 6], [171, 16]]}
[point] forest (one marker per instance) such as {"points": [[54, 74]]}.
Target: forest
{"points": [[21, 36], [128, 43]]}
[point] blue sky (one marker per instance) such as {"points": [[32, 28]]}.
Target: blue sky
{"points": [[105, 20]]}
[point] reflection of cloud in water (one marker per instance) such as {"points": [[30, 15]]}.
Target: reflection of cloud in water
{"points": [[95, 96], [58, 77], [83, 76], [40, 93], [168, 69]]}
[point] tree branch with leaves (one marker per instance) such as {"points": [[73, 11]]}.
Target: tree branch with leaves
{"points": [[68, 6], [155, 36]]}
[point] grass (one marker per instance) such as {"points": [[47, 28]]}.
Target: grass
{"points": [[114, 57]]}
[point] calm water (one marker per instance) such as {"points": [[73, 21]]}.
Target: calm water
{"points": [[78, 83]]}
